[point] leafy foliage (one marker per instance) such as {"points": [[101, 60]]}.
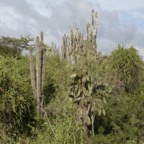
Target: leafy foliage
{"points": [[16, 101], [127, 65], [123, 122], [13, 47]]}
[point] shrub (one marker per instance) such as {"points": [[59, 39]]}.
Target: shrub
{"points": [[17, 104]]}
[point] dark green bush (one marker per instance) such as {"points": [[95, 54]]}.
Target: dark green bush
{"points": [[127, 64]]}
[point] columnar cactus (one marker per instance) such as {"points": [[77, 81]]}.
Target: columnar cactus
{"points": [[94, 29], [37, 72], [74, 44]]}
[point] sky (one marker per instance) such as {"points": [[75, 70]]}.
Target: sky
{"points": [[119, 21]]}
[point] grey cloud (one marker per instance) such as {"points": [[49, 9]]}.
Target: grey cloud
{"points": [[110, 27], [21, 7], [139, 39], [63, 14]]}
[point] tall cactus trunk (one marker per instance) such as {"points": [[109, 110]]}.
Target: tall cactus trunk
{"points": [[32, 73], [37, 73], [84, 120], [43, 76]]}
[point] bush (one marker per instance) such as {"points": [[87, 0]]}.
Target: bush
{"points": [[126, 63], [16, 101]]}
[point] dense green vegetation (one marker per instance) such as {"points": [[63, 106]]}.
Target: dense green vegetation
{"points": [[95, 99]]}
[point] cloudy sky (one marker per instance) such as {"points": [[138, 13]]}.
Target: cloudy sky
{"points": [[120, 21]]}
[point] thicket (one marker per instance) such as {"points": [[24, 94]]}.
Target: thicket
{"points": [[72, 96]]}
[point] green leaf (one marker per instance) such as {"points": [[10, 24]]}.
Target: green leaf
{"points": [[78, 93], [99, 112], [104, 101], [108, 89], [84, 79], [86, 92], [88, 120], [90, 88], [104, 112], [88, 78], [73, 75]]}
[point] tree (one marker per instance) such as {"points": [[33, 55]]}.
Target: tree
{"points": [[13, 46], [127, 65]]}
